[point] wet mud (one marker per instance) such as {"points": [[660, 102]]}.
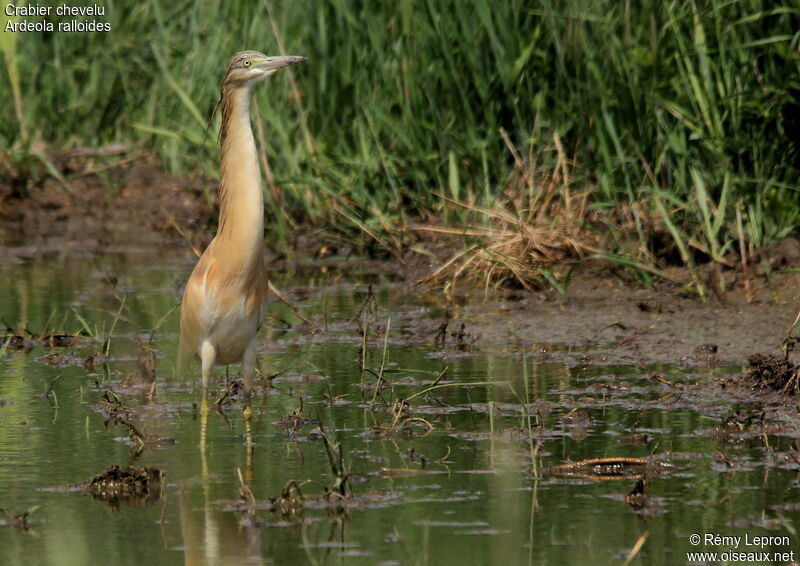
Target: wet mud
{"points": [[100, 206]]}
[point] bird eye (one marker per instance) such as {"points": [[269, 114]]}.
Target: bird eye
{"points": [[246, 63]]}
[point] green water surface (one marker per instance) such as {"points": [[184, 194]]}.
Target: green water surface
{"points": [[465, 492]]}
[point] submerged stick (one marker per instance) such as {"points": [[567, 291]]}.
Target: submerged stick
{"points": [[294, 309], [608, 468]]}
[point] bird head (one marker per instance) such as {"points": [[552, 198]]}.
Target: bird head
{"points": [[252, 67]]}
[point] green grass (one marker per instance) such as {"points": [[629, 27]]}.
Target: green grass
{"points": [[685, 111]]}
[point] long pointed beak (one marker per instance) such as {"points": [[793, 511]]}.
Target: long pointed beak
{"points": [[275, 63]]}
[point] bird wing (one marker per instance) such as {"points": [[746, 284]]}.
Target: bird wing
{"points": [[213, 290], [193, 307]]}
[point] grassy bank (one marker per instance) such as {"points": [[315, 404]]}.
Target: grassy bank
{"points": [[653, 133]]}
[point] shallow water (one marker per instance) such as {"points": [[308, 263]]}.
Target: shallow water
{"points": [[459, 483]]}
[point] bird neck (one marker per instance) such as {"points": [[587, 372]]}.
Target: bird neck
{"points": [[241, 217]]}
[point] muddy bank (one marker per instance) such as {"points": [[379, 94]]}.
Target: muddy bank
{"points": [[124, 206], [617, 320], [641, 326]]}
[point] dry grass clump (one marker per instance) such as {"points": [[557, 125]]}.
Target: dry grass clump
{"points": [[537, 222]]}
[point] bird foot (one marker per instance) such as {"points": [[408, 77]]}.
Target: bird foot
{"points": [[247, 413]]}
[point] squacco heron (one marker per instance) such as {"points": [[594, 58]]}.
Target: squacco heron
{"points": [[225, 297]]}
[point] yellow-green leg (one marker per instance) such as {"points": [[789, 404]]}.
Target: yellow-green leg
{"points": [[249, 369], [207, 356]]}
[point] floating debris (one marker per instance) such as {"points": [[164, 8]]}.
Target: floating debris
{"points": [[291, 502], [132, 485], [577, 418], [741, 421], [292, 422], [637, 497], [295, 421], [609, 468], [19, 521], [232, 390], [111, 408], [113, 411], [25, 339], [145, 372], [639, 439]]}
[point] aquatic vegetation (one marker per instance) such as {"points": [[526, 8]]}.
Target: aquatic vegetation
{"points": [[539, 135], [411, 424]]}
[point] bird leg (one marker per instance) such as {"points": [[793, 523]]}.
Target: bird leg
{"points": [[207, 356], [249, 369]]}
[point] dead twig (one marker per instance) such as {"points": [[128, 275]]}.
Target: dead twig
{"points": [[294, 309]]}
